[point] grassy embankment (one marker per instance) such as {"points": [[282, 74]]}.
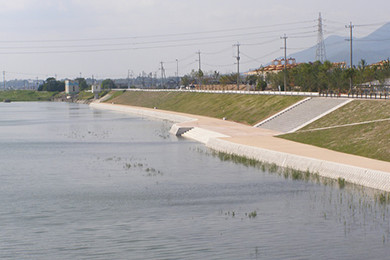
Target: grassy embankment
{"points": [[33, 95], [369, 140], [26, 95], [86, 95], [246, 109]]}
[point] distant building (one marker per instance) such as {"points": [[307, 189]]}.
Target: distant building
{"points": [[71, 87], [276, 66], [96, 88], [381, 64]]}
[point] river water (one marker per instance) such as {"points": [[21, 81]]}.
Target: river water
{"points": [[78, 183]]}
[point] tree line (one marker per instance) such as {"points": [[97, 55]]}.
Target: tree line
{"points": [[52, 84], [323, 77], [307, 77]]}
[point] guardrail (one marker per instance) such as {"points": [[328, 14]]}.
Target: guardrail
{"points": [[281, 93]]}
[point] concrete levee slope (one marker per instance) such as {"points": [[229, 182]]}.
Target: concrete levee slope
{"points": [[298, 116]]}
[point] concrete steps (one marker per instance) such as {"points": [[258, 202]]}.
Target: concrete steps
{"points": [[301, 114], [202, 135]]}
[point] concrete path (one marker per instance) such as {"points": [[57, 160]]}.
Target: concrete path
{"points": [[302, 113], [263, 145], [265, 138]]}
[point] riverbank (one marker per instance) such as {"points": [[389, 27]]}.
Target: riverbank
{"points": [[359, 135], [260, 144], [26, 95], [245, 109]]}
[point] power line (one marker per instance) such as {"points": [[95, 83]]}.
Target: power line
{"points": [[258, 59], [217, 52], [137, 43], [260, 43], [217, 65], [155, 36]]}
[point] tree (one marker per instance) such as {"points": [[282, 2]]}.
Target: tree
{"points": [[228, 79], [276, 79], [82, 84], [108, 84], [261, 84], [51, 84], [185, 80], [258, 81]]}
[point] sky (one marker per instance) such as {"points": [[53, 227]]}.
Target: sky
{"points": [[112, 38]]}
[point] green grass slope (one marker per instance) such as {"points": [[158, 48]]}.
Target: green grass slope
{"points": [[26, 95], [369, 139], [247, 109]]}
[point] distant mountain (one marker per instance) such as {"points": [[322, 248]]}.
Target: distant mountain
{"points": [[372, 48]]}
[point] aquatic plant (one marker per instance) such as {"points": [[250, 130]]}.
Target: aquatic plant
{"points": [[382, 198], [253, 214], [341, 182], [296, 175]]}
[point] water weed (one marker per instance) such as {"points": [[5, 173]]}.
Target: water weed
{"points": [[341, 182]]}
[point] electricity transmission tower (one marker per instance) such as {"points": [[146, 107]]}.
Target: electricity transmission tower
{"points": [[320, 52]]}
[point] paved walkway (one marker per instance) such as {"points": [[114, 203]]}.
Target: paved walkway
{"points": [[302, 114], [264, 138]]}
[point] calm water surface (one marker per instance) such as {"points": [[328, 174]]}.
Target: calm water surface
{"points": [[77, 183]]}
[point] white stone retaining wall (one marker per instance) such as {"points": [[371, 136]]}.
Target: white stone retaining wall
{"points": [[202, 135], [360, 176]]}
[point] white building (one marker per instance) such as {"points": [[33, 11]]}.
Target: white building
{"points": [[71, 87], [96, 88]]}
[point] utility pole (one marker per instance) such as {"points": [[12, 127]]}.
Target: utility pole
{"points": [[238, 65], [128, 79], [177, 68], [4, 78], [285, 61], [199, 71], [177, 73], [350, 26], [162, 74]]}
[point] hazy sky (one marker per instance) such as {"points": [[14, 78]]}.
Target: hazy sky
{"points": [[106, 38]]}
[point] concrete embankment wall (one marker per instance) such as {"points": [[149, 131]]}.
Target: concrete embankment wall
{"points": [[360, 176]]}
